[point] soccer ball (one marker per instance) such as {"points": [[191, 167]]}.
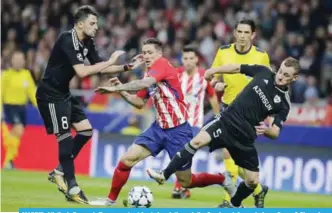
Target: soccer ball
{"points": [[140, 197]]}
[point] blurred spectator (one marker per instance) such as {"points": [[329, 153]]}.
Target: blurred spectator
{"points": [[133, 127]]}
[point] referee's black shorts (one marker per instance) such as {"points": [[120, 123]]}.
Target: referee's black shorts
{"points": [[243, 153]]}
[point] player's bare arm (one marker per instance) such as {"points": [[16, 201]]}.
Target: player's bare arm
{"points": [[135, 63], [86, 70], [226, 69], [131, 86], [132, 99]]}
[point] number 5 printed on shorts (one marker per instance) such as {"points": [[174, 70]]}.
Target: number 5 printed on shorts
{"points": [[217, 133]]}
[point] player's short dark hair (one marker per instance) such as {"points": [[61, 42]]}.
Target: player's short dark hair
{"points": [[191, 48], [156, 42], [83, 12], [249, 22], [292, 62]]}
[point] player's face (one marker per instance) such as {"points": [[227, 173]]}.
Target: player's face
{"points": [[90, 26], [189, 60], [150, 54], [243, 35], [285, 75], [18, 61]]}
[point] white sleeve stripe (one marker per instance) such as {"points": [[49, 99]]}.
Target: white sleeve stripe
{"points": [[75, 40]]}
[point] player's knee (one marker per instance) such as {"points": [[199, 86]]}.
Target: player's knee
{"points": [[252, 181], [130, 159], [202, 139]]}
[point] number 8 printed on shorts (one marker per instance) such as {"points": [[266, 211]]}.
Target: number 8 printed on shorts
{"points": [[64, 122]]}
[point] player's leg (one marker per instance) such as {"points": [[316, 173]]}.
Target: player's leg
{"points": [[259, 193], [179, 192], [82, 126], [16, 116], [57, 120], [246, 157], [183, 158], [246, 187], [146, 144]]}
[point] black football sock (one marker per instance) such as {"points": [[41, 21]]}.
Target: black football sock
{"points": [[181, 159], [66, 144], [81, 138], [242, 192]]}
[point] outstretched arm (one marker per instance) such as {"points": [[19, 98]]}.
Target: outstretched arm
{"points": [[131, 86], [136, 62], [226, 69], [133, 100]]}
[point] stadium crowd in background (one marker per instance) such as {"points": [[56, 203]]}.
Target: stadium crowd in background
{"points": [[297, 28]]}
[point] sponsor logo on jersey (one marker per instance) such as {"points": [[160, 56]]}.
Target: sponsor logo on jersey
{"points": [[263, 98]]}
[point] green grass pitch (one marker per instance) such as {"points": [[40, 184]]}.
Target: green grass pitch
{"points": [[32, 189]]}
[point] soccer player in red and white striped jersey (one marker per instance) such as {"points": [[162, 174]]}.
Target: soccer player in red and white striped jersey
{"points": [[169, 132], [194, 88]]}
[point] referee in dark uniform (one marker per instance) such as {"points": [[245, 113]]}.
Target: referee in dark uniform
{"points": [[238, 126], [59, 110]]}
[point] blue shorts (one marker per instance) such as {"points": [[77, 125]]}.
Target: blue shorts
{"points": [[195, 130], [14, 114], [172, 140]]}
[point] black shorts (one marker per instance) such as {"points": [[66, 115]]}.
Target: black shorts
{"points": [[59, 116], [15, 114], [243, 153]]}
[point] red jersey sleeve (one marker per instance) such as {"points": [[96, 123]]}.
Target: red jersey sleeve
{"points": [[143, 94], [158, 70], [210, 90]]}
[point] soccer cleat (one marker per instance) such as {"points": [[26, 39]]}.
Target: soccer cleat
{"points": [[57, 177], [259, 198], [228, 184], [75, 194], [156, 175], [181, 193], [102, 202]]}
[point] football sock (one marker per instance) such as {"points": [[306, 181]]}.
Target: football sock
{"points": [[66, 159], [242, 192], [81, 138], [258, 189], [120, 177], [181, 159], [206, 179]]}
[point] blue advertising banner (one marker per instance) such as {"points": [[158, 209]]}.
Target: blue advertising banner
{"points": [[283, 167]]}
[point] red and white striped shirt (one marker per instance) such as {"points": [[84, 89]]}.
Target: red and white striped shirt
{"points": [[166, 94], [194, 88]]}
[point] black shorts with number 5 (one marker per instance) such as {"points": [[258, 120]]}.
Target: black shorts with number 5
{"points": [[59, 116], [243, 153]]}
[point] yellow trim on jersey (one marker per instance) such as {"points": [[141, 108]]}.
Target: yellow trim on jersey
{"points": [[236, 82]]}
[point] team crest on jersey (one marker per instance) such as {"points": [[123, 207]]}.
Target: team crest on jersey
{"points": [[79, 56], [85, 52], [277, 99]]}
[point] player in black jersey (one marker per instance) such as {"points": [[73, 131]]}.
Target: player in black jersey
{"points": [[59, 110], [238, 126]]}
